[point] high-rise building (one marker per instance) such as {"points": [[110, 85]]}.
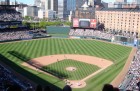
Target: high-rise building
{"points": [[37, 2], [60, 9], [68, 5], [121, 1], [31, 11], [97, 2], [7, 2], [51, 5], [136, 1]]}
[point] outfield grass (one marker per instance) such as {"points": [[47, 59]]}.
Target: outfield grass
{"points": [[17, 52], [82, 69]]}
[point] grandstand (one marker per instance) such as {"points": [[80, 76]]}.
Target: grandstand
{"points": [[11, 28], [14, 54], [95, 34], [9, 79], [133, 75], [9, 15]]}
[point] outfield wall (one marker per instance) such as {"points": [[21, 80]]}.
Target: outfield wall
{"points": [[57, 30]]}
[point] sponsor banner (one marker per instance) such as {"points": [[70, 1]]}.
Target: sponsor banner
{"points": [[92, 23], [75, 22]]}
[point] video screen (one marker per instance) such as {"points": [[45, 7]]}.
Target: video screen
{"points": [[84, 24]]}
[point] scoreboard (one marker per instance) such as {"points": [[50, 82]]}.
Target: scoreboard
{"points": [[84, 23]]}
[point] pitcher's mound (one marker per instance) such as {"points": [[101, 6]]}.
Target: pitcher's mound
{"points": [[71, 68]]}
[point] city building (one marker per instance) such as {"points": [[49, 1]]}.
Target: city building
{"points": [[13, 3], [130, 5], [125, 20], [2, 3], [41, 13], [111, 5], [137, 2], [118, 5], [97, 2], [50, 14], [60, 11], [85, 12], [37, 3], [55, 5], [122, 1], [7, 2], [105, 5], [20, 7], [31, 11], [68, 5], [79, 3], [51, 5]]}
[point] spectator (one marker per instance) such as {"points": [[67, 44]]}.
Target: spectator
{"points": [[107, 87], [67, 88], [116, 89], [138, 84], [14, 88], [39, 88], [10, 15], [47, 88], [132, 77], [9, 81], [15, 34]]}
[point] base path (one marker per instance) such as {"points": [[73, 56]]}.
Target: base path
{"points": [[46, 60]]}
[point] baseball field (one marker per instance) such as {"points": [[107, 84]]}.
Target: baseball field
{"points": [[71, 59]]}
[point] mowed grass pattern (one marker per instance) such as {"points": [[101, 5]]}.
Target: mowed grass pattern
{"points": [[36, 48], [82, 69]]}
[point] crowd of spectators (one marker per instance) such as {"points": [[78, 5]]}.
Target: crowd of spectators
{"points": [[10, 15], [133, 75], [21, 34], [8, 79], [13, 35], [91, 33], [100, 34]]}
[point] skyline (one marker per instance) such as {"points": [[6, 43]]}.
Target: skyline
{"points": [[32, 1]]}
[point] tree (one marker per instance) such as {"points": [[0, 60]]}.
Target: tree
{"points": [[42, 24], [27, 18]]}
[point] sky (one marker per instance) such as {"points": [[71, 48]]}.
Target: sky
{"points": [[32, 1]]}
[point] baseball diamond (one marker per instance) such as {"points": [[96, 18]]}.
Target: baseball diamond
{"points": [[23, 51]]}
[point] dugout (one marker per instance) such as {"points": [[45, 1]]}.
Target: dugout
{"points": [[58, 31], [126, 40]]}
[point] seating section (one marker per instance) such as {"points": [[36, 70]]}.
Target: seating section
{"points": [[7, 79], [13, 35], [9, 15], [134, 72], [90, 33]]}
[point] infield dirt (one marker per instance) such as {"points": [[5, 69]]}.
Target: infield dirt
{"points": [[46, 60]]}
